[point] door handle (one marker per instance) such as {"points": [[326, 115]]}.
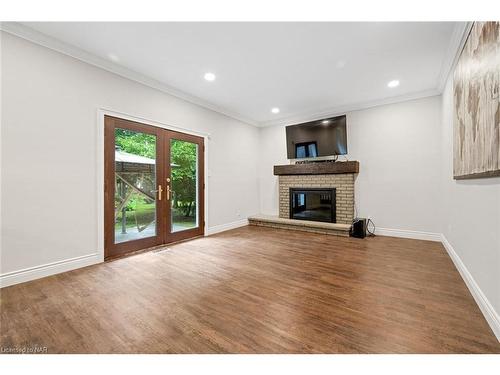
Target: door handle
{"points": [[159, 192], [168, 192]]}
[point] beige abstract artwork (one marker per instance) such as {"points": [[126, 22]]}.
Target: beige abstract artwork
{"points": [[476, 81]]}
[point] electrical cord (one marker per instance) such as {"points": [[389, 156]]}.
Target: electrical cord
{"points": [[371, 232]]}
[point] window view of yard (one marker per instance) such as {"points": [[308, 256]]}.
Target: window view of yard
{"points": [[135, 185], [183, 158]]}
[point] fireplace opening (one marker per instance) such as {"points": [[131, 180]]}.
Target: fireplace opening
{"points": [[313, 204]]}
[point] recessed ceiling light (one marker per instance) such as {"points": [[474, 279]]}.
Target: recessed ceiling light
{"points": [[393, 83], [210, 77], [340, 64], [325, 122], [275, 110]]}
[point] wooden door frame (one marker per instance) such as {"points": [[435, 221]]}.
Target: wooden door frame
{"points": [[112, 249], [100, 176], [200, 206]]}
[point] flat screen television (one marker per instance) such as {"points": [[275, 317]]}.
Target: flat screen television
{"points": [[325, 137]]}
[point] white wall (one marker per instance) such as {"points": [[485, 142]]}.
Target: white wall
{"points": [[471, 218], [398, 147], [49, 133], [49, 150]]}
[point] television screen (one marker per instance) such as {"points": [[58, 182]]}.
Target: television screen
{"points": [[326, 137]]}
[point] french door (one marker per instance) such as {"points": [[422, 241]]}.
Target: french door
{"points": [[153, 186]]}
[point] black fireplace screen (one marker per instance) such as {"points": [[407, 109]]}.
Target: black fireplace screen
{"points": [[313, 204]]}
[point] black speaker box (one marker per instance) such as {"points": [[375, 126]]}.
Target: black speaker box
{"points": [[358, 228]]}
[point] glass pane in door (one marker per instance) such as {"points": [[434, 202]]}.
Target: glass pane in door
{"points": [[135, 185], [183, 185]]}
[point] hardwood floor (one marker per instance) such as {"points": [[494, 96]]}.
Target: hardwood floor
{"points": [[255, 290]]}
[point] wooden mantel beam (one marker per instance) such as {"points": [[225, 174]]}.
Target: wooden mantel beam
{"points": [[317, 168]]}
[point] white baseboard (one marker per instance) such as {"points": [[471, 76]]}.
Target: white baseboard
{"points": [[37, 272], [228, 226], [413, 234], [491, 316]]}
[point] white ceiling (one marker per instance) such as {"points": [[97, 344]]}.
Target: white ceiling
{"points": [[306, 69]]}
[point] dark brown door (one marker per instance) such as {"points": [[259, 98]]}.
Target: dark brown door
{"points": [[154, 186], [184, 181]]}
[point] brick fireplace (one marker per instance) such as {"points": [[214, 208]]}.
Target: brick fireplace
{"points": [[334, 184], [344, 188]]}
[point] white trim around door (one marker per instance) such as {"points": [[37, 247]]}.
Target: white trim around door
{"points": [[101, 112]]}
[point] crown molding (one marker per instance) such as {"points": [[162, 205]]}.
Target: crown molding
{"points": [[340, 110], [34, 36], [457, 42], [458, 39]]}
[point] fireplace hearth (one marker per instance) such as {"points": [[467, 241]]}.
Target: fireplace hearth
{"points": [[314, 204]]}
